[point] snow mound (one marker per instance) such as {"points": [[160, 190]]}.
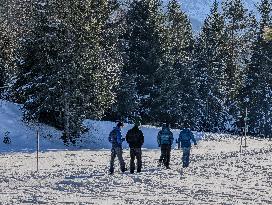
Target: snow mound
{"points": [[97, 137], [23, 135]]}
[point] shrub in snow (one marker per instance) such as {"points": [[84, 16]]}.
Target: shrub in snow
{"points": [[7, 139]]}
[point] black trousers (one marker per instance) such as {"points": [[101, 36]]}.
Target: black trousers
{"points": [[165, 154], [135, 153]]}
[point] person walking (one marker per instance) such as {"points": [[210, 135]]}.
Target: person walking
{"points": [[116, 139], [135, 139], [185, 138], [165, 141]]}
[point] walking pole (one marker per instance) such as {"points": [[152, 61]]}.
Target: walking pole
{"points": [[38, 145]]}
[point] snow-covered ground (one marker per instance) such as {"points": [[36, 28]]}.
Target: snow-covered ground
{"points": [[218, 174]]}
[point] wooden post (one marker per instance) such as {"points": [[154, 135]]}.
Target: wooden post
{"points": [[38, 146]]}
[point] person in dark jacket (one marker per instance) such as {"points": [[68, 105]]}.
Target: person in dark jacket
{"points": [[116, 139], [135, 139], [185, 138], [165, 141]]}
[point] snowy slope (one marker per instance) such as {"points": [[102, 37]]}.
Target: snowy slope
{"points": [[99, 131], [23, 136]]}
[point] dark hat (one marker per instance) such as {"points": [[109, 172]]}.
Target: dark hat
{"points": [[120, 124], [137, 123], [186, 124]]}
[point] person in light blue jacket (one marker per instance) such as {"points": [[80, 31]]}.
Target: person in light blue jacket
{"points": [[165, 141], [116, 139], [185, 138]]}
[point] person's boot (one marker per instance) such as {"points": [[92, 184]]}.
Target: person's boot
{"points": [[159, 163], [184, 165], [167, 167], [138, 170], [123, 170], [111, 171], [132, 171]]}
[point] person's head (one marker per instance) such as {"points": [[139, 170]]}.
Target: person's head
{"points": [[137, 123], [165, 126], [120, 124], [176, 125], [186, 124]]}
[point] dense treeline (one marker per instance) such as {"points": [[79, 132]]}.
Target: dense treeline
{"points": [[69, 60]]}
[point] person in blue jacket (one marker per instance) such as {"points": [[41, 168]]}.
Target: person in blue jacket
{"points": [[185, 138], [165, 140], [116, 139]]}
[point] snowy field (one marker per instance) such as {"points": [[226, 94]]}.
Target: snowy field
{"points": [[218, 174]]}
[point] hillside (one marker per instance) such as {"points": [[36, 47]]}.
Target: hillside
{"points": [[199, 9], [23, 135]]}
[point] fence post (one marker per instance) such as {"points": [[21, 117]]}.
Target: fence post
{"points": [[241, 143], [246, 128], [38, 146]]}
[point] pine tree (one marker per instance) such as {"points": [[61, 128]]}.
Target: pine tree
{"points": [[143, 51], [44, 67], [257, 91], [126, 106], [240, 30], [174, 102], [69, 64], [7, 43], [4, 44], [211, 72]]}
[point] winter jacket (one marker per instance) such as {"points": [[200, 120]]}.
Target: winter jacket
{"points": [[165, 136], [135, 137], [115, 137], [185, 138]]}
